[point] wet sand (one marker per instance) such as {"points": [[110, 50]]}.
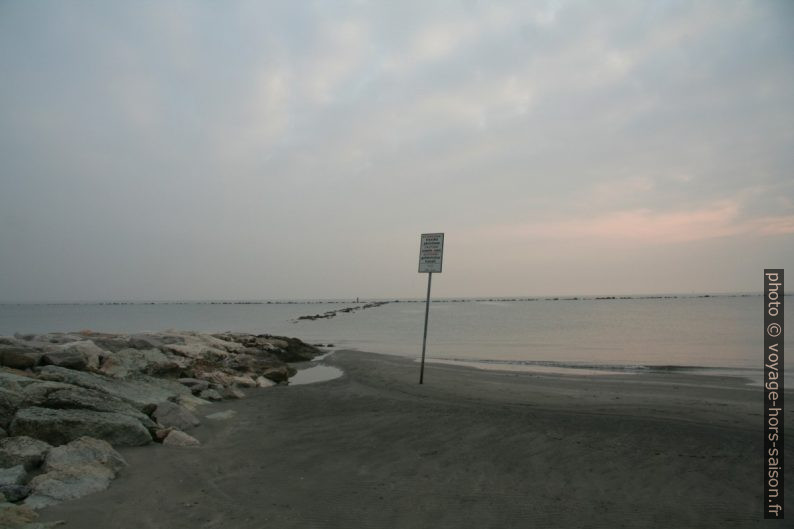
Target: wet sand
{"points": [[469, 448]]}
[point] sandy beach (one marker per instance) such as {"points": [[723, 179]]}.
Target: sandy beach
{"points": [[469, 448]]}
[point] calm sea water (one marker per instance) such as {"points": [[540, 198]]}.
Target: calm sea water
{"points": [[618, 334]]}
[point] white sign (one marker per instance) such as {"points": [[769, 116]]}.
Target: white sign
{"points": [[431, 252]]}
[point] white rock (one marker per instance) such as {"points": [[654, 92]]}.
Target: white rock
{"points": [[74, 470], [244, 381], [263, 382], [82, 451], [222, 415], [180, 439]]}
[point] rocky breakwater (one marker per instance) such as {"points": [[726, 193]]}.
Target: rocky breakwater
{"points": [[66, 399]]}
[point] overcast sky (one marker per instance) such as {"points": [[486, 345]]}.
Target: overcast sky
{"points": [[259, 150]]}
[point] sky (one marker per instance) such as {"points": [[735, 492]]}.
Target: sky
{"points": [[291, 150]]}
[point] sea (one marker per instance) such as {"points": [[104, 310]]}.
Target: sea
{"points": [[699, 333]]}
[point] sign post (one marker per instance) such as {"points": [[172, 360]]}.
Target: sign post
{"points": [[431, 255]]}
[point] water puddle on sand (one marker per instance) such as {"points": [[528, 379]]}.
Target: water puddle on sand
{"points": [[314, 374]]}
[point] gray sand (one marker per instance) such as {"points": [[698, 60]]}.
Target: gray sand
{"points": [[470, 448]]}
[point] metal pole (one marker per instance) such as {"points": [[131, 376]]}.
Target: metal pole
{"points": [[424, 339]]}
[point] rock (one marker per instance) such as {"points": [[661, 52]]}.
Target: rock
{"points": [[198, 351], [57, 395], [178, 438], [61, 426], [71, 471], [160, 434], [82, 451], [251, 363], [173, 415], [244, 381], [285, 349], [18, 358], [231, 392], [10, 401], [91, 353], [14, 492], [13, 475], [141, 391], [12, 516], [66, 359], [22, 450], [58, 338], [148, 341], [263, 382], [196, 386], [130, 361], [15, 381], [211, 395], [217, 377], [279, 374], [222, 415], [61, 485], [190, 402]]}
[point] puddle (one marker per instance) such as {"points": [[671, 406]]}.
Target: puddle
{"points": [[315, 374]]}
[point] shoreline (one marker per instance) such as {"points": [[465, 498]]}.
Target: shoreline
{"points": [[469, 448], [751, 375]]}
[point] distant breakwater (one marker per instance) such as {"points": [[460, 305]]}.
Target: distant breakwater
{"points": [[332, 313]]}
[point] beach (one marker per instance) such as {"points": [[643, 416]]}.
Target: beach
{"points": [[469, 448]]}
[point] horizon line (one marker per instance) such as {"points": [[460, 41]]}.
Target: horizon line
{"points": [[265, 301]]}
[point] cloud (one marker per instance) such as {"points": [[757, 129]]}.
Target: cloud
{"points": [[272, 130], [642, 227]]}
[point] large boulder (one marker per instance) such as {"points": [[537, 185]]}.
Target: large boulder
{"points": [[18, 357], [129, 361], [82, 467], [14, 492], [91, 353], [173, 415], [61, 426], [13, 475], [15, 380], [57, 395], [10, 401], [279, 374], [12, 483], [140, 391], [22, 450], [211, 395], [67, 359], [82, 451]]}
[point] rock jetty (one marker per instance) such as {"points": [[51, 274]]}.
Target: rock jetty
{"points": [[332, 313], [67, 399]]}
